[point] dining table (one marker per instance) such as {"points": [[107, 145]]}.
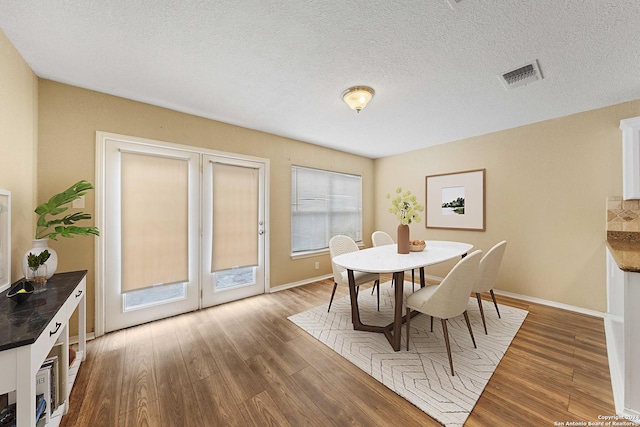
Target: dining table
{"points": [[386, 259]]}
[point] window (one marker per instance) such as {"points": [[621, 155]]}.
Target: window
{"points": [[323, 204]]}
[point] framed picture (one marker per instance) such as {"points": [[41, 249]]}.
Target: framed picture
{"points": [[5, 239], [456, 200]]}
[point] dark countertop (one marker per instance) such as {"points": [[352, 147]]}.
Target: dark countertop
{"points": [[22, 324], [625, 248]]}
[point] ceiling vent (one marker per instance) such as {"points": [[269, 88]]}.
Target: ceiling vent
{"points": [[521, 76]]}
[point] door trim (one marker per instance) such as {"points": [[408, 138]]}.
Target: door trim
{"points": [[99, 260]]}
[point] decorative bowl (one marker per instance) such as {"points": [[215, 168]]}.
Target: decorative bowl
{"points": [[417, 245], [15, 292]]}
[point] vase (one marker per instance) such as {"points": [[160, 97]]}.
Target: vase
{"points": [[40, 245], [38, 278], [403, 239]]}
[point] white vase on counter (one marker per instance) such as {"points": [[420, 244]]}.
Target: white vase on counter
{"points": [[39, 245]]}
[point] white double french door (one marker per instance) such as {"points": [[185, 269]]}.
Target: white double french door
{"points": [[181, 229]]}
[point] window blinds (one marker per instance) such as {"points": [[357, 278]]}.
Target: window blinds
{"points": [[323, 204]]}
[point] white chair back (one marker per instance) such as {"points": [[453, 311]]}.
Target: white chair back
{"points": [[380, 238], [489, 268], [451, 297], [339, 245]]}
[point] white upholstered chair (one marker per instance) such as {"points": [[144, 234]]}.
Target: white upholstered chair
{"points": [[448, 299], [339, 245], [380, 238], [487, 276]]}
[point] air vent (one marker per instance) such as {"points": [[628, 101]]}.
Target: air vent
{"points": [[521, 76]]}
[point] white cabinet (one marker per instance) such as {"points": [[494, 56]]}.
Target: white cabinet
{"points": [[622, 328], [630, 158]]}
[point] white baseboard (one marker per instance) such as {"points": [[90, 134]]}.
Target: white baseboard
{"points": [[299, 283], [74, 340], [574, 308]]}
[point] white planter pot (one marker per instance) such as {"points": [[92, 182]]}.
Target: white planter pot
{"points": [[40, 245]]}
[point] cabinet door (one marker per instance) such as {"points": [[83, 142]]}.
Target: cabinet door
{"points": [[615, 288], [630, 158]]}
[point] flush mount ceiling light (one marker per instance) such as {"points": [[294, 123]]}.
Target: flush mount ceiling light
{"points": [[358, 97]]}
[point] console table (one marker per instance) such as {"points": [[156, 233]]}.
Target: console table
{"points": [[28, 332]]}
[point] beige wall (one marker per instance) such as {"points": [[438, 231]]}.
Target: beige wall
{"points": [[18, 144], [70, 116], [546, 182], [546, 189]]}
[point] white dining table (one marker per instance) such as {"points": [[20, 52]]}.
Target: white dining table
{"points": [[386, 259]]}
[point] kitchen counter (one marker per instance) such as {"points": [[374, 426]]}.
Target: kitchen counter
{"points": [[622, 319], [625, 249]]}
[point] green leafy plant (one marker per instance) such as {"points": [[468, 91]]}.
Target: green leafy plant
{"points": [[35, 261], [405, 206], [50, 226]]}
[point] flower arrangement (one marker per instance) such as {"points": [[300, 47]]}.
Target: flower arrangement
{"points": [[405, 206]]}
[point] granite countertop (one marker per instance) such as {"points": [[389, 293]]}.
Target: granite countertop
{"points": [[22, 324], [625, 248]]}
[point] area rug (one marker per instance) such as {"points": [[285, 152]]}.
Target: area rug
{"points": [[421, 375]]}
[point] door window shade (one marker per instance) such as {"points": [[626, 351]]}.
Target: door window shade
{"points": [[235, 217], [154, 220]]}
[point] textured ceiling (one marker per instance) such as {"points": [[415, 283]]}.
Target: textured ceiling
{"points": [[281, 66]]}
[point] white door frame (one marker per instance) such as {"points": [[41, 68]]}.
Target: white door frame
{"points": [[100, 219]]}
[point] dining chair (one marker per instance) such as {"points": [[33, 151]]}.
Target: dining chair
{"points": [[448, 299], [380, 238], [339, 245], [487, 276]]}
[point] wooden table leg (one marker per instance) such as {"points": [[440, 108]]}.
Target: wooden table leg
{"points": [[393, 331], [397, 318], [355, 312]]}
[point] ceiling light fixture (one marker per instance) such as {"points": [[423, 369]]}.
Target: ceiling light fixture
{"points": [[358, 97]]}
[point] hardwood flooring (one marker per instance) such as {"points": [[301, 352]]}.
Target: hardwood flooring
{"points": [[245, 364]]}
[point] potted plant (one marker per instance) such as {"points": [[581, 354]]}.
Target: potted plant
{"points": [[37, 270], [52, 223]]}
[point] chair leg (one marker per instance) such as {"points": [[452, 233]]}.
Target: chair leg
{"points": [[484, 323], [466, 317], [431, 323], [446, 340], [413, 280], [335, 285], [377, 285], [493, 296], [408, 327]]}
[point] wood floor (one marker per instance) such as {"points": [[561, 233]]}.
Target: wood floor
{"points": [[245, 364]]}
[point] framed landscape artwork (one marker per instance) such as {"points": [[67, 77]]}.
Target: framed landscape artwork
{"points": [[5, 239], [456, 200]]}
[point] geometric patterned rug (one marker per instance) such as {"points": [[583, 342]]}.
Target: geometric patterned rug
{"points": [[421, 375]]}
